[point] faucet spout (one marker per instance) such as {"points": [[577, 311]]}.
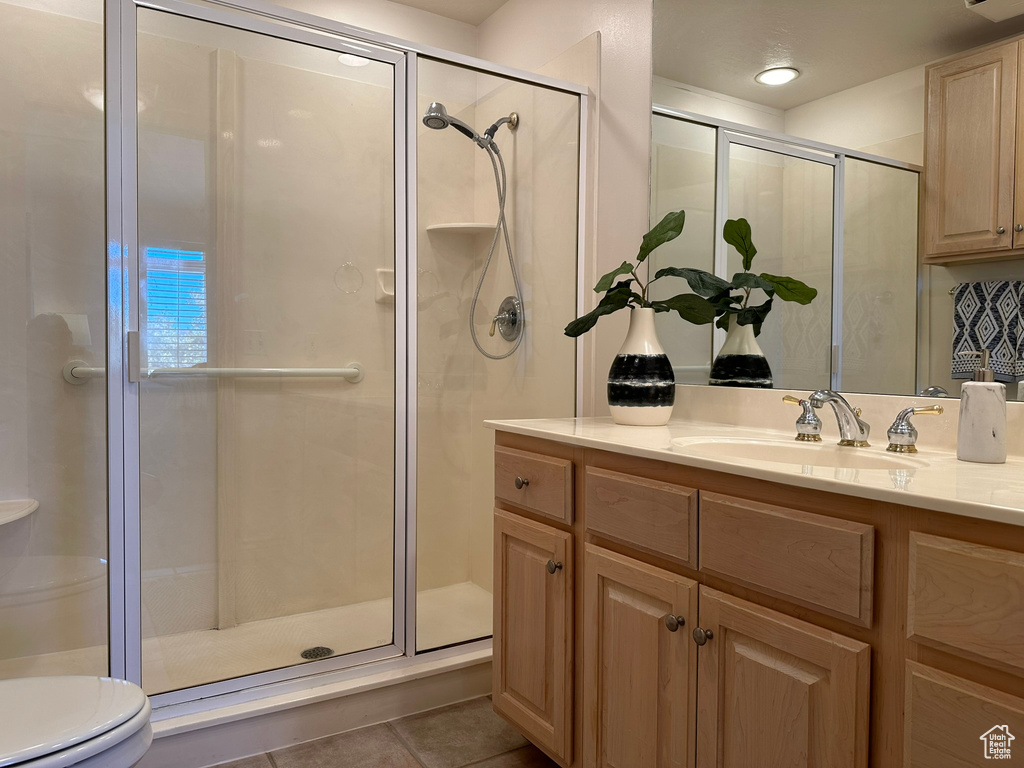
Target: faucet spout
{"points": [[853, 431]]}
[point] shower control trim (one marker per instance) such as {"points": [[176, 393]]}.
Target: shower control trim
{"points": [[509, 320]]}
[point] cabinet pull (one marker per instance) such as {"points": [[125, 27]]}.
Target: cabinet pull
{"points": [[1000, 230], [1019, 228], [553, 566], [521, 482], [701, 636], [673, 623]]}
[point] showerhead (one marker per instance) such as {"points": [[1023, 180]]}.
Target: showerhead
{"points": [[437, 117]]}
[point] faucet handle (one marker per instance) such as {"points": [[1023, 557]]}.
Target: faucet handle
{"points": [[808, 426], [903, 434]]}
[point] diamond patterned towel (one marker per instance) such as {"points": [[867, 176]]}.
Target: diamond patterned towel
{"points": [[989, 316]]}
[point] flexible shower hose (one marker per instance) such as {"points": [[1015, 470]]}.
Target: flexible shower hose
{"points": [[500, 183]]}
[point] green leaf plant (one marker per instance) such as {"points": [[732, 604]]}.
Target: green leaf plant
{"points": [[712, 299]]}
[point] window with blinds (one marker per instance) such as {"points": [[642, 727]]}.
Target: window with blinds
{"points": [[175, 309]]}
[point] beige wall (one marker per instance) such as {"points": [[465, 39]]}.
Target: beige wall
{"points": [[395, 20], [884, 117], [531, 33], [689, 98]]}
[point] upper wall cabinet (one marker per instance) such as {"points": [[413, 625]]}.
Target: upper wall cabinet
{"points": [[970, 174]]}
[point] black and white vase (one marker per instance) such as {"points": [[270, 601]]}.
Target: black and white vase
{"points": [[741, 363], [641, 385]]}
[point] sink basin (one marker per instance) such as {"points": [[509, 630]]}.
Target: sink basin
{"points": [[793, 453]]}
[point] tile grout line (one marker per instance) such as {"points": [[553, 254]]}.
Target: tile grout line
{"points": [[273, 762], [406, 745], [485, 759]]}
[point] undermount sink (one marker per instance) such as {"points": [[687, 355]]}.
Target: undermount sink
{"points": [[793, 453]]}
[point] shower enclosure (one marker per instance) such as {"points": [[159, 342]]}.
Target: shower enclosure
{"points": [[250, 445]]}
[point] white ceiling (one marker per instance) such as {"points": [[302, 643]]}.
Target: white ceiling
{"points": [[836, 44], [468, 11]]}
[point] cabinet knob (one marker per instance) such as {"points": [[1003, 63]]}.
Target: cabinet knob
{"points": [[1019, 228], [1000, 230], [701, 636], [521, 482], [553, 566], [674, 622]]}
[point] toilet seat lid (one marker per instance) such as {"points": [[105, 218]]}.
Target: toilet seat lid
{"points": [[43, 715]]}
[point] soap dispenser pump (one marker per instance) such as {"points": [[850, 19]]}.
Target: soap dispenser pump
{"points": [[981, 434]]}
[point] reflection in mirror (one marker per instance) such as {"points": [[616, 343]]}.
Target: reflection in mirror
{"points": [[827, 168], [844, 225]]}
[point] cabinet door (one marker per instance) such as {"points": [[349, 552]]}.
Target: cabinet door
{"points": [[950, 722], [772, 690], [969, 163], [639, 683], [533, 602]]}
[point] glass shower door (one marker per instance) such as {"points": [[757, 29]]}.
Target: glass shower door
{"points": [[266, 219]]}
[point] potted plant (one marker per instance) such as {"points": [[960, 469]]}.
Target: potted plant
{"points": [[641, 385]]}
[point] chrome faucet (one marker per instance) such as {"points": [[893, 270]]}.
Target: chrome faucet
{"points": [[853, 431], [808, 426]]}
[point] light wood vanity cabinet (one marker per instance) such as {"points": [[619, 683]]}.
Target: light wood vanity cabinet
{"points": [[832, 631], [769, 685], [533, 631], [639, 663]]}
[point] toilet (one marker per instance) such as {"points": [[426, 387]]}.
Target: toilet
{"points": [[86, 722]]}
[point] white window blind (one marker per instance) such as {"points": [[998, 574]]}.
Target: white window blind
{"points": [[175, 310]]}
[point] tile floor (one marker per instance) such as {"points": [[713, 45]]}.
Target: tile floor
{"points": [[459, 736]]}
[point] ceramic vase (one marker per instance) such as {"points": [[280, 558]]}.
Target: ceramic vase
{"points": [[741, 363], [641, 385]]}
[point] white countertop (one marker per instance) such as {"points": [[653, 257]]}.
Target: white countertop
{"points": [[940, 482]]}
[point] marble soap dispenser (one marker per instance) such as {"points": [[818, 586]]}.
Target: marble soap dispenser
{"points": [[981, 434]]}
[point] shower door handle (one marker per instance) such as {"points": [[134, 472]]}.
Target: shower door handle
{"points": [[134, 357]]}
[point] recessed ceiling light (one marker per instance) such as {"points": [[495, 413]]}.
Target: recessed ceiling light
{"points": [[351, 60], [777, 76]]}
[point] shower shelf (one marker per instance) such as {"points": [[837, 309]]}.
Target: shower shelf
{"points": [[16, 509], [463, 228]]}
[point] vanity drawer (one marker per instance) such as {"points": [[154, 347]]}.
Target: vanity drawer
{"points": [[651, 515], [546, 482], [812, 560], [967, 599]]}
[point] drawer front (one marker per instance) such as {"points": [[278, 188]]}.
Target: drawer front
{"points": [[967, 599], [651, 515], [951, 722], [546, 482], [816, 561]]}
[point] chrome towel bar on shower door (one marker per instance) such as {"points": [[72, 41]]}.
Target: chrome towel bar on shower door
{"points": [[77, 372]]}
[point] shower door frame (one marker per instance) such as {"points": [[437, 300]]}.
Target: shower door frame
{"points": [[122, 183], [123, 414]]}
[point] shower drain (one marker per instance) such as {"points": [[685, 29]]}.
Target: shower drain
{"points": [[318, 652]]}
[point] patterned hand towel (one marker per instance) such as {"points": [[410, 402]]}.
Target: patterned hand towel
{"points": [[989, 316]]}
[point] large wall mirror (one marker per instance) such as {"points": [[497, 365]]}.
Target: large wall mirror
{"points": [[826, 168]]}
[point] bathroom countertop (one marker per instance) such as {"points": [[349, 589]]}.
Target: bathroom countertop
{"points": [[944, 484]]}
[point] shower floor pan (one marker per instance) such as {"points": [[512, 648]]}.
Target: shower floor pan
{"points": [[447, 615]]}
